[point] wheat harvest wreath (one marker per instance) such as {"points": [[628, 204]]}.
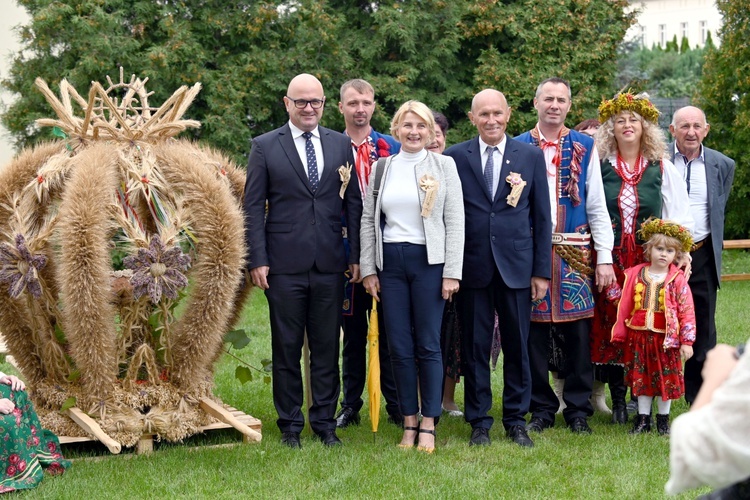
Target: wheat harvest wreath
{"points": [[103, 233]]}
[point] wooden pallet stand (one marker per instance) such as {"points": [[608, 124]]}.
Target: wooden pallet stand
{"points": [[227, 417]]}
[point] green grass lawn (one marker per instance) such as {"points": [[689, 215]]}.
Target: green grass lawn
{"points": [[608, 464]]}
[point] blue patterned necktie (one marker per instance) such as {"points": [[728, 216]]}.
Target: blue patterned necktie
{"points": [[312, 161], [488, 168]]}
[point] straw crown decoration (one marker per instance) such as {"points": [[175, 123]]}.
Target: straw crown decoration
{"points": [[628, 102], [653, 226]]}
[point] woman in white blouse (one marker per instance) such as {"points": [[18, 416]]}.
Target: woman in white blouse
{"points": [[412, 241]]}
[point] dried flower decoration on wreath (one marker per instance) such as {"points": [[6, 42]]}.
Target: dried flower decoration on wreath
{"points": [[158, 270], [19, 268], [638, 103]]}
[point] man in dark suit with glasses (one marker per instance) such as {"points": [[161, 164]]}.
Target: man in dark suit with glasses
{"points": [[303, 173]]}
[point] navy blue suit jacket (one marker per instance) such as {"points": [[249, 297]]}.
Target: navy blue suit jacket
{"points": [[302, 229], [516, 240]]}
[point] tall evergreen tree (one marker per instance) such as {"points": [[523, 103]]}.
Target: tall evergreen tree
{"points": [[725, 97], [245, 52]]}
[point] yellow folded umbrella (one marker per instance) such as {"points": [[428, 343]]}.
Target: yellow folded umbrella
{"points": [[373, 372]]}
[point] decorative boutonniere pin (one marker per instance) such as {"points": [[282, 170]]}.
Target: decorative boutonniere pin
{"points": [[516, 187], [345, 174], [429, 185]]}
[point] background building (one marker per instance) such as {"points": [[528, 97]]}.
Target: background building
{"points": [[660, 20]]}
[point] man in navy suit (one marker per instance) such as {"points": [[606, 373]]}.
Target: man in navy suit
{"points": [[709, 175], [296, 252], [506, 261]]}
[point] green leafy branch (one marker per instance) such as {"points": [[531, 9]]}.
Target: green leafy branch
{"points": [[244, 372]]}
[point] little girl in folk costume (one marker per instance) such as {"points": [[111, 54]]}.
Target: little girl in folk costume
{"points": [[656, 318]]}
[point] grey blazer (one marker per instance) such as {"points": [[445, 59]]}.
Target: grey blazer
{"points": [[443, 229], [719, 178]]}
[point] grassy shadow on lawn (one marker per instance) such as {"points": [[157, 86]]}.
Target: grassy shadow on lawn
{"points": [[608, 464]]}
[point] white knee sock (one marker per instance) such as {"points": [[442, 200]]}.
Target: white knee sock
{"points": [[644, 405], [662, 407]]}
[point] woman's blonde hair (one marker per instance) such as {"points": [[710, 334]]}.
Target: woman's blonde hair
{"points": [[653, 140], [662, 239], [419, 109]]}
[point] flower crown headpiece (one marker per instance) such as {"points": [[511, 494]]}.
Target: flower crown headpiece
{"points": [[653, 226], [628, 102]]}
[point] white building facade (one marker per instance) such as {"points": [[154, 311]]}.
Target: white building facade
{"points": [[660, 20]]}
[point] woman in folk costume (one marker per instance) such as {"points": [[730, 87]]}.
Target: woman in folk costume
{"points": [[656, 322], [639, 183], [27, 447]]}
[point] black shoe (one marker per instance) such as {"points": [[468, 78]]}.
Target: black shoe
{"points": [[579, 426], [641, 424], [346, 417], [517, 434], [538, 425], [619, 408], [329, 438], [619, 414], [291, 439], [662, 424], [480, 437], [396, 419]]}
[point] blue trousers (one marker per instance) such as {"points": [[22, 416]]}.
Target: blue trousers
{"points": [[410, 290]]}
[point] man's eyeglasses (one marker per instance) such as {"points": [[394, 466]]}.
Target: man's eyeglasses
{"points": [[302, 103]]}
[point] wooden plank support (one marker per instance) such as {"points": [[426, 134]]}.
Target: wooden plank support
{"points": [[89, 425], [145, 444], [218, 411]]}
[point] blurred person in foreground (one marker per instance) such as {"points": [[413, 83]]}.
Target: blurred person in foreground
{"points": [[710, 444]]}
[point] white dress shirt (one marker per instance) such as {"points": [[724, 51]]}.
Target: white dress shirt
{"points": [[497, 160], [300, 143], [698, 193], [596, 204]]}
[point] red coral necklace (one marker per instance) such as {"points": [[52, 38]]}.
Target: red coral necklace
{"points": [[630, 177]]}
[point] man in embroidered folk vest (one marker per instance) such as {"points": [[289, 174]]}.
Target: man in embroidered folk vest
{"points": [[709, 175], [357, 105], [579, 213]]}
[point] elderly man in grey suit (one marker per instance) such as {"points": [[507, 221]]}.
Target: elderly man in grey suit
{"points": [[708, 175], [303, 174]]}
